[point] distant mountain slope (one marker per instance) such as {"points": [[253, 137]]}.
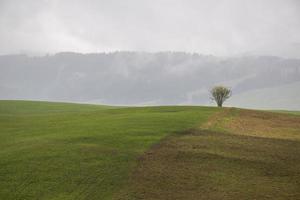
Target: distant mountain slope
{"points": [[141, 78], [285, 97]]}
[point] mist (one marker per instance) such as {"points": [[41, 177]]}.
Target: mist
{"points": [[215, 27], [139, 78], [142, 52]]}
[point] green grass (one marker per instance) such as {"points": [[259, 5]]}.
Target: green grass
{"points": [[75, 151], [287, 112], [62, 151]]}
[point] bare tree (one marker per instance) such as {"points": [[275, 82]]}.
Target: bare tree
{"points": [[220, 94]]}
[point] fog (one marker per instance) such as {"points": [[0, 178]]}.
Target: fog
{"points": [[150, 52], [212, 27], [139, 78]]}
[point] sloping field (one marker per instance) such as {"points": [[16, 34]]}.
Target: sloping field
{"points": [[237, 154], [74, 151], [77, 151], [269, 97]]}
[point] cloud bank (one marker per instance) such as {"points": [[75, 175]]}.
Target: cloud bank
{"points": [[217, 27]]}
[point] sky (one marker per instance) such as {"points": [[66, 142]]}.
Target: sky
{"points": [[212, 27]]}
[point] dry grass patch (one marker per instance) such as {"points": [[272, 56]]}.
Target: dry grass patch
{"points": [[260, 124]]}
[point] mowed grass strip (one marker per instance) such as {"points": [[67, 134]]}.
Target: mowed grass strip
{"points": [[73, 151], [244, 155]]}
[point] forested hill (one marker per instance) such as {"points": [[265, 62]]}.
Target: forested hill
{"points": [[138, 78]]}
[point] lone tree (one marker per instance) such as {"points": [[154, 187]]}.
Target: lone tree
{"points": [[220, 94]]}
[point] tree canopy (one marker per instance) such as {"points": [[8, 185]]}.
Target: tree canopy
{"points": [[220, 94]]}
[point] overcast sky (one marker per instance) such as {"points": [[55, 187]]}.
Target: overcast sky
{"points": [[217, 27]]}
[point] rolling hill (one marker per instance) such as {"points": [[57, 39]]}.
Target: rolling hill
{"points": [[81, 151], [284, 97], [75, 151]]}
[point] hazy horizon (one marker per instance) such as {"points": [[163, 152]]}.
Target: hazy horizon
{"points": [[162, 78], [145, 52], [31, 54]]}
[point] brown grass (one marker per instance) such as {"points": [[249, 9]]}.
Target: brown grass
{"points": [[261, 124], [257, 156]]}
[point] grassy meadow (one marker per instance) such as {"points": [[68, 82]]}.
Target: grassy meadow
{"points": [[77, 151], [63, 151]]}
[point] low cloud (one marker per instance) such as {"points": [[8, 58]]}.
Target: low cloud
{"points": [[222, 28]]}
